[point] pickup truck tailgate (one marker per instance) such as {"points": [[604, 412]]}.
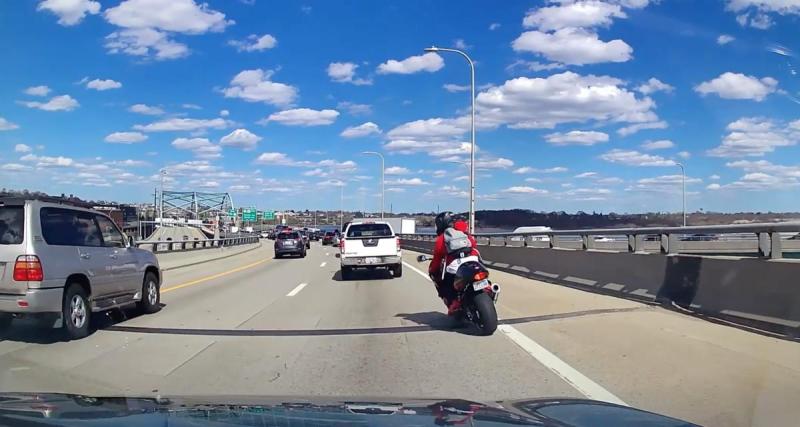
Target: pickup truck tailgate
{"points": [[370, 246]]}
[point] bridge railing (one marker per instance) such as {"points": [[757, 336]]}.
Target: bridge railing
{"points": [[196, 244], [766, 240]]}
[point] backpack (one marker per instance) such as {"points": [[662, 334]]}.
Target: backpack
{"points": [[456, 242]]}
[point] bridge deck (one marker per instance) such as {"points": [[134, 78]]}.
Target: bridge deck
{"points": [[246, 325]]}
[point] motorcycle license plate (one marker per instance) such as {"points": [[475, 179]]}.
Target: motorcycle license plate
{"points": [[372, 260], [478, 286]]}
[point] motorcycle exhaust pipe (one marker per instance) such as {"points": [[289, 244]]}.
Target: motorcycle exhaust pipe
{"points": [[496, 292]]}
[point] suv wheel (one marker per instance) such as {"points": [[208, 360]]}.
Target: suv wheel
{"points": [[76, 312], [151, 294]]}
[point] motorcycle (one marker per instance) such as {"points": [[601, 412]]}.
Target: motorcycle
{"points": [[477, 294]]}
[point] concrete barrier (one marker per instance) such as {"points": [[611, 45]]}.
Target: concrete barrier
{"points": [[759, 293]]}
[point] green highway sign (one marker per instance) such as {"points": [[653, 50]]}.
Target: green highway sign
{"points": [[268, 215], [232, 213], [248, 214]]}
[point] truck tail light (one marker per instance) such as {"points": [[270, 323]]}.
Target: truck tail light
{"points": [[397, 239], [341, 245], [28, 268]]}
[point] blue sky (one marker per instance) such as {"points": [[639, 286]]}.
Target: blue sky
{"points": [[582, 105]]}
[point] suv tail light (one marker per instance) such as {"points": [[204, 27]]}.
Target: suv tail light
{"points": [[397, 239], [27, 268], [341, 245]]}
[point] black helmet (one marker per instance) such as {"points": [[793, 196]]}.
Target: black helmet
{"points": [[443, 221]]}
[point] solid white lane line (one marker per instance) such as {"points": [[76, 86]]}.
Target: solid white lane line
{"points": [[580, 382], [418, 271], [323, 264], [296, 290]]}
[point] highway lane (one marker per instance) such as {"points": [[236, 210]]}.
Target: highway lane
{"points": [[253, 325]]}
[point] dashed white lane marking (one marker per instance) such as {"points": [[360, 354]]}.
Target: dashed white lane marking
{"points": [[580, 382], [296, 290], [570, 375], [323, 264]]}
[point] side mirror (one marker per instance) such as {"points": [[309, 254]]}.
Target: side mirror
{"points": [[423, 258], [131, 243]]}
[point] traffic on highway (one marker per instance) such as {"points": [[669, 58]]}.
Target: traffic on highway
{"points": [[400, 213]]}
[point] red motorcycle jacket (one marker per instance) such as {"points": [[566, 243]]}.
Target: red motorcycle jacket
{"points": [[440, 250]]}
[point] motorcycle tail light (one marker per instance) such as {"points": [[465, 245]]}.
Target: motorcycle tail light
{"points": [[480, 275]]}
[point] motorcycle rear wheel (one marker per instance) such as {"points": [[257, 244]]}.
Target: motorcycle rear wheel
{"points": [[486, 314]]}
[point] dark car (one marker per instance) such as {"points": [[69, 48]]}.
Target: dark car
{"points": [[290, 243], [327, 239], [315, 235]]}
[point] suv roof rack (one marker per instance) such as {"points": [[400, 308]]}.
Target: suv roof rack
{"points": [[21, 198]]}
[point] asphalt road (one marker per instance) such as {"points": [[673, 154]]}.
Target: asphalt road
{"points": [[253, 325]]}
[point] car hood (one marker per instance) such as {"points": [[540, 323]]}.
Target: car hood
{"points": [[74, 410]]}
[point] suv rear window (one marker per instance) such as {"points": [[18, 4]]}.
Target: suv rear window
{"points": [[12, 228], [369, 230], [292, 235], [67, 227]]}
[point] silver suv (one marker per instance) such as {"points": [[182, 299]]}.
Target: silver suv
{"points": [[60, 260]]}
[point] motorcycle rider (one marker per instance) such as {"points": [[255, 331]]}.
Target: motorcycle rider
{"points": [[444, 282]]}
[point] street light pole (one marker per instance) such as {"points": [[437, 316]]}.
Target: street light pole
{"points": [[683, 192], [383, 181], [162, 172], [341, 207], [472, 125]]}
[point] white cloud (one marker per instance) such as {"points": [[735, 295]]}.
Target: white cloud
{"points": [[576, 137], [535, 103], [753, 137], [241, 138], [183, 124], [239, 188], [460, 44], [191, 106], [345, 72], [439, 173], [397, 170], [528, 169], [586, 175], [436, 128], [635, 158], [577, 14], [684, 154], [7, 125], [125, 137], [45, 161], [654, 85], [658, 145], [56, 103], [407, 182], [714, 177], [100, 84], [533, 66], [254, 43], [355, 109], [738, 86], [180, 16], [361, 130], [663, 184], [493, 26], [208, 184], [586, 194], [224, 113], [498, 163], [70, 12], [256, 86], [755, 13], [430, 62], [725, 39], [632, 129], [713, 186], [575, 46], [524, 190], [200, 147], [15, 167], [22, 148], [273, 159], [450, 87], [145, 109], [303, 117], [145, 42], [37, 90]]}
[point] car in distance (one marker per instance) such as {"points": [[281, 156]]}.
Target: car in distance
{"points": [[306, 238], [289, 243], [327, 238], [370, 245], [69, 262]]}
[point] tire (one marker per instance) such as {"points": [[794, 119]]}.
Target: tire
{"points": [[397, 270], [151, 295], [5, 321], [303, 254], [487, 315], [347, 273], [76, 312], [278, 256]]}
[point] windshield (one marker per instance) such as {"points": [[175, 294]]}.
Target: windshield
{"points": [[241, 198]]}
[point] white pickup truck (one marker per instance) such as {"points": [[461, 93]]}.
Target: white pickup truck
{"points": [[370, 245]]}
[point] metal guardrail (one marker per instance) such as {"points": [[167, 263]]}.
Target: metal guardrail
{"points": [[668, 239], [188, 245]]}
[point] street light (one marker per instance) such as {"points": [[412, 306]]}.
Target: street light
{"points": [[472, 125], [163, 173], [383, 181], [683, 183], [466, 165]]}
